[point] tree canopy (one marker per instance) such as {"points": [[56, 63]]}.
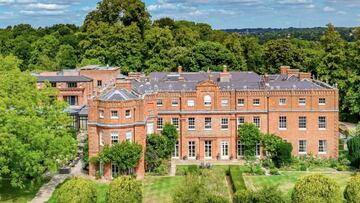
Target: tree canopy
{"points": [[34, 132]]}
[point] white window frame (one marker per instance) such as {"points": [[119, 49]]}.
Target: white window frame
{"points": [[207, 100], [322, 101], [256, 102], [322, 124], [240, 149], [176, 122], [224, 102], [114, 169], [129, 136], [150, 128], [240, 102], [175, 102], [208, 149], [224, 123], [191, 150], [191, 102], [302, 101], [101, 113], [240, 120], [302, 120], [160, 123], [305, 147], [159, 102], [112, 114], [114, 137], [128, 113], [101, 138], [224, 147], [258, 150], [282, 123], [257, 124], [176, 153], [282, 101], [322, 146], [207, 123], [192, 125]]}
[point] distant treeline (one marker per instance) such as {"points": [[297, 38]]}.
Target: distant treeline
{"points": [[312, 34]]}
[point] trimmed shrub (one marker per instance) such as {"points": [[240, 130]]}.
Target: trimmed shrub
{"points": [[244, 196], [270, 194], [354, 151], [237, 178], [352, 190], [77, 190], [124, 189], [212, 198], [316, 188]]}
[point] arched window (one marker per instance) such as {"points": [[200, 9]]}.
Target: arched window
{"points": [[207, 100]]}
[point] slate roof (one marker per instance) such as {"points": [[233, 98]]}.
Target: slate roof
{"points": [[118, 95], [63, 79], [162, 82]]}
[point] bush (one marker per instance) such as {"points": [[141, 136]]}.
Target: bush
{"points": [[237, 178], [212, 198], [255, 169], [244, 196], [354, 151], [77, 190], [163, 169], [124, 189], [352, 190], [316, 188], [283, 154], [274, 171], [192, 169], [269, 195], [267, 163]]}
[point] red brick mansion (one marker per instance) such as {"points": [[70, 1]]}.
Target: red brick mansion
{"points": [[207, 108]]}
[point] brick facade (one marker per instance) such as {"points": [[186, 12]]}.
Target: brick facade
{"points": [[207, 107]]}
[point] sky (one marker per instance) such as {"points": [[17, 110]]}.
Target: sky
{"points": [[220, 14]]}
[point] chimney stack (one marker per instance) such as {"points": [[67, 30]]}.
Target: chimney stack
{"points": [[225, 75], [284, 70], [180, 69], [124, 84]]}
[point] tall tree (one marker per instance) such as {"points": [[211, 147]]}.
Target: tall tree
{"points": [[120, 11], [34, 133], [331, 67], [66, 57], [281, 52]]}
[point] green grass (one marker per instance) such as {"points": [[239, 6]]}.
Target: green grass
{"points": [[101, 189], [160, 188], [10, 194], [287, 179]]}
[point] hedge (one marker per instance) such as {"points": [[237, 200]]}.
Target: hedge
{"points": [[237, 179], [352, 190], [77, 190]]}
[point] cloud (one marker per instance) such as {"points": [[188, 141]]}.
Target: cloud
{"points": [[46, 6], [328, 9]]}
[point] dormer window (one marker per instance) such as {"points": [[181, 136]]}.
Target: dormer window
{"points": [[207, 100]]}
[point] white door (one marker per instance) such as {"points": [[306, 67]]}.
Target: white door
{"points": [[224, 148]]}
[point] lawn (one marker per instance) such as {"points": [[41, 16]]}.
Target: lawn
{"points": [[287, 179], [9, 194], [159, 189]]}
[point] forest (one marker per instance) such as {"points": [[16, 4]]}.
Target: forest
{"points": [[134, 42]]}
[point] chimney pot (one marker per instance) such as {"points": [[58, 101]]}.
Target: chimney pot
{"points": [[180, 69]]}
